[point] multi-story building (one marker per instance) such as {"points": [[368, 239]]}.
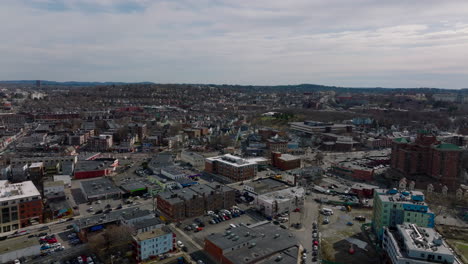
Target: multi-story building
{"points": [[313, 127], [139, 130], [101, 143], [277, 145], [411, 244], [392, 208], [195, 200], [277, 202], [232, 167], [285, 161], [20, 205], [427, 156], [194, 159], [153, 243]]}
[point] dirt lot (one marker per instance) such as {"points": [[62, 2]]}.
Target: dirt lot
{"points": [[334, 235]]}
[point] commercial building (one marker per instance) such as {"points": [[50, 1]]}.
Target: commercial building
{"points": [[53, 187], [44, 159], [411, 244], [146, 225], [194, 159], [285, 161], [392, 208], [232, 167], [194, 201], [100, 189], [277, 202], [153, 243], [137, 215], [100, 143], [17, 248], [264, 185], [313, 127], [427, 156], [20, 205], [363, 190], [265, 243], [86, 169], [277, 144], [134, 188]]}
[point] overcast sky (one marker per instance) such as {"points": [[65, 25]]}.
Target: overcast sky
{"points": [[387, 43]]}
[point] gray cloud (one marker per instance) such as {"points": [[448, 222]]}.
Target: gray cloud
{"points": [[336, 42]]}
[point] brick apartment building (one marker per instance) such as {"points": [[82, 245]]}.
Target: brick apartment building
{"points": [[428, 156], [277, 145], [232, 167], [20, 205], [195, 201], [285, 161]]}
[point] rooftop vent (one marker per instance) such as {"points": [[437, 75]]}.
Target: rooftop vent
{"points": [[277, 235]]}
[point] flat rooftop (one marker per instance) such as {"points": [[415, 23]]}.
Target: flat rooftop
{"points": [[288, 157], [9, 191], [255, 243], [404, 197], [422, 239], [99, 187], [283, 195], [112, 216], [153, 233], [265, 185], [233, 160]]}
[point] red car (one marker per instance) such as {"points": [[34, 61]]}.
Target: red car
{"points": [[199, 228], [316, 243], [52, 240], [297, 210]]}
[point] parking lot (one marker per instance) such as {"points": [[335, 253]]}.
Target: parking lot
{"points": [[343, 234]]}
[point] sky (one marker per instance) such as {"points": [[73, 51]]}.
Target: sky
{"points": [[353, 43]]}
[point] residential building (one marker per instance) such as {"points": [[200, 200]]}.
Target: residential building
{"points": [[232, 167], [20, 205], [194, 159], [258, 243], [427, 156], [277, 144], [411, 244], [153, 243], [392, 208], [285, 161], [100, 143]]}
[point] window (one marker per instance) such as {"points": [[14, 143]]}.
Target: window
{"points": [[439, 257], [422, 255]]}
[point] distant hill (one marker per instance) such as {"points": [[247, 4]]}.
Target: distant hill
{"points": [[301, 88], [54, 83]]}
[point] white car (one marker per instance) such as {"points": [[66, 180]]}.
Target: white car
{"points": [[80, 259], [17, 261], [180, 244]]}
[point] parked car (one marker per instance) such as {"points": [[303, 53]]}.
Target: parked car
{"points": [[360, 218]]}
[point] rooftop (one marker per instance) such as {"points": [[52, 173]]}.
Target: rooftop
{"points": [[447, 146], [9, 191], [403, 197], [285, 194], [92, 165], [255, 243], [422, 239], [265, 185], [53, 183], [99, 187], [147, 223], [289, 157], [233, 160], [112, 216], [135, 214], [133, 186], [153, 233]]}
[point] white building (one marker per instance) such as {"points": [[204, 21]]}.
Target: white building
{"points": [[66, 179], [281, 201], [196, 160], [51, 187], [410, 244], [18, 248], [153, 243], [20, 204], [173, 172]]}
